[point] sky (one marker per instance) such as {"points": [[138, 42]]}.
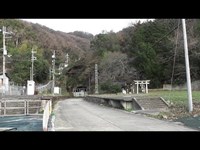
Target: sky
{"points": [[93, 26]]}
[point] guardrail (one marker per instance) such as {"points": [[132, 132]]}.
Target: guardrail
{"points": [[10, 107], [20, 107]]}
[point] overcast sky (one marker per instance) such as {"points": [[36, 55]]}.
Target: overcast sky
{"points": [[94, 26]]}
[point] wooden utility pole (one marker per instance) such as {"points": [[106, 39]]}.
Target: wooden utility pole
{"points": [[96, 79]]}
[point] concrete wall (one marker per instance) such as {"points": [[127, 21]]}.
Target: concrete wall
{"points": [[116, 103]]}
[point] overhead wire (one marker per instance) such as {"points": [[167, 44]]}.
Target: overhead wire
{"points": [[168, 33], [175, 52]]}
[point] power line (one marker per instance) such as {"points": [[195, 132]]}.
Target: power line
{"points": [[169, 33], [166, 34], [175, 54]]}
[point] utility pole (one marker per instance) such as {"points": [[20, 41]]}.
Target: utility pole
{"points": [[32, 64], [4, 59], [89, 84], [67, 60], [187, 68], [53, 71], [96, 79], [4, 54], [50, 71]]}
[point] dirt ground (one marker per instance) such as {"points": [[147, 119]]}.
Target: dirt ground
{"points": [[178, 111]]}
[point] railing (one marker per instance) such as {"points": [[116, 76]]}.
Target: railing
{"points": [[20, 107], [27, 107]]}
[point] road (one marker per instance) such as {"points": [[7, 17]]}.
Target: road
{"points": [[79, 115]]}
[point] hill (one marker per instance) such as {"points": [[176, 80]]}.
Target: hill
{"points": [[152, 50]]}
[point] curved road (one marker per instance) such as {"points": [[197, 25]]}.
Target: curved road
{"points": [[79, 115]]}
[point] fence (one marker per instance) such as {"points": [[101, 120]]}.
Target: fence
{"points": [[20, 107], [44, 88], [14, 89]]}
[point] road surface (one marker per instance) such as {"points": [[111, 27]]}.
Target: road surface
{"points": [[79, 115]]}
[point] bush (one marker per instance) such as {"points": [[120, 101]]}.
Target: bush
{"points": [[108, 87]]}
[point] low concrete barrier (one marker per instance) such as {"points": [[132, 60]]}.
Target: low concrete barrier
{"points": [[123, 103], [46, 114]]}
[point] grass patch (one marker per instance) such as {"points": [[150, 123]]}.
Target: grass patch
{"points": [[176, 97]]}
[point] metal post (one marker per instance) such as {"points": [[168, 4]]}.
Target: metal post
{"points": [[187, 68]]}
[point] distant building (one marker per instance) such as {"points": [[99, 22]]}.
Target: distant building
{"points": [[80, 91], [7, 84]]}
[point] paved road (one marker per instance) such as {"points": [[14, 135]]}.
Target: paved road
{"points": [[80, 115], [22, 123]]}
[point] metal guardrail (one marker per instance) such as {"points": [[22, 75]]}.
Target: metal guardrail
{"points": [[20, 107], [10, 107]]}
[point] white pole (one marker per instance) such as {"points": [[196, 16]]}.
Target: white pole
{"points": [[137, 86], [187, 68], [4, 59], [146, 86]]}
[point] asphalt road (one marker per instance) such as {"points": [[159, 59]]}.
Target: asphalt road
{"points": [[79, 115]]}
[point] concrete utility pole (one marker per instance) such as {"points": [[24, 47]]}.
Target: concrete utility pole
{"points": [[32, 64], [67, 60], [187, 68], [4, 54], [4, 59], [53, 71], [96, 79]]}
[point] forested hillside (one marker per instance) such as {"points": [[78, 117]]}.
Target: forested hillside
{"points": [[152, 50], [28, 36]]}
